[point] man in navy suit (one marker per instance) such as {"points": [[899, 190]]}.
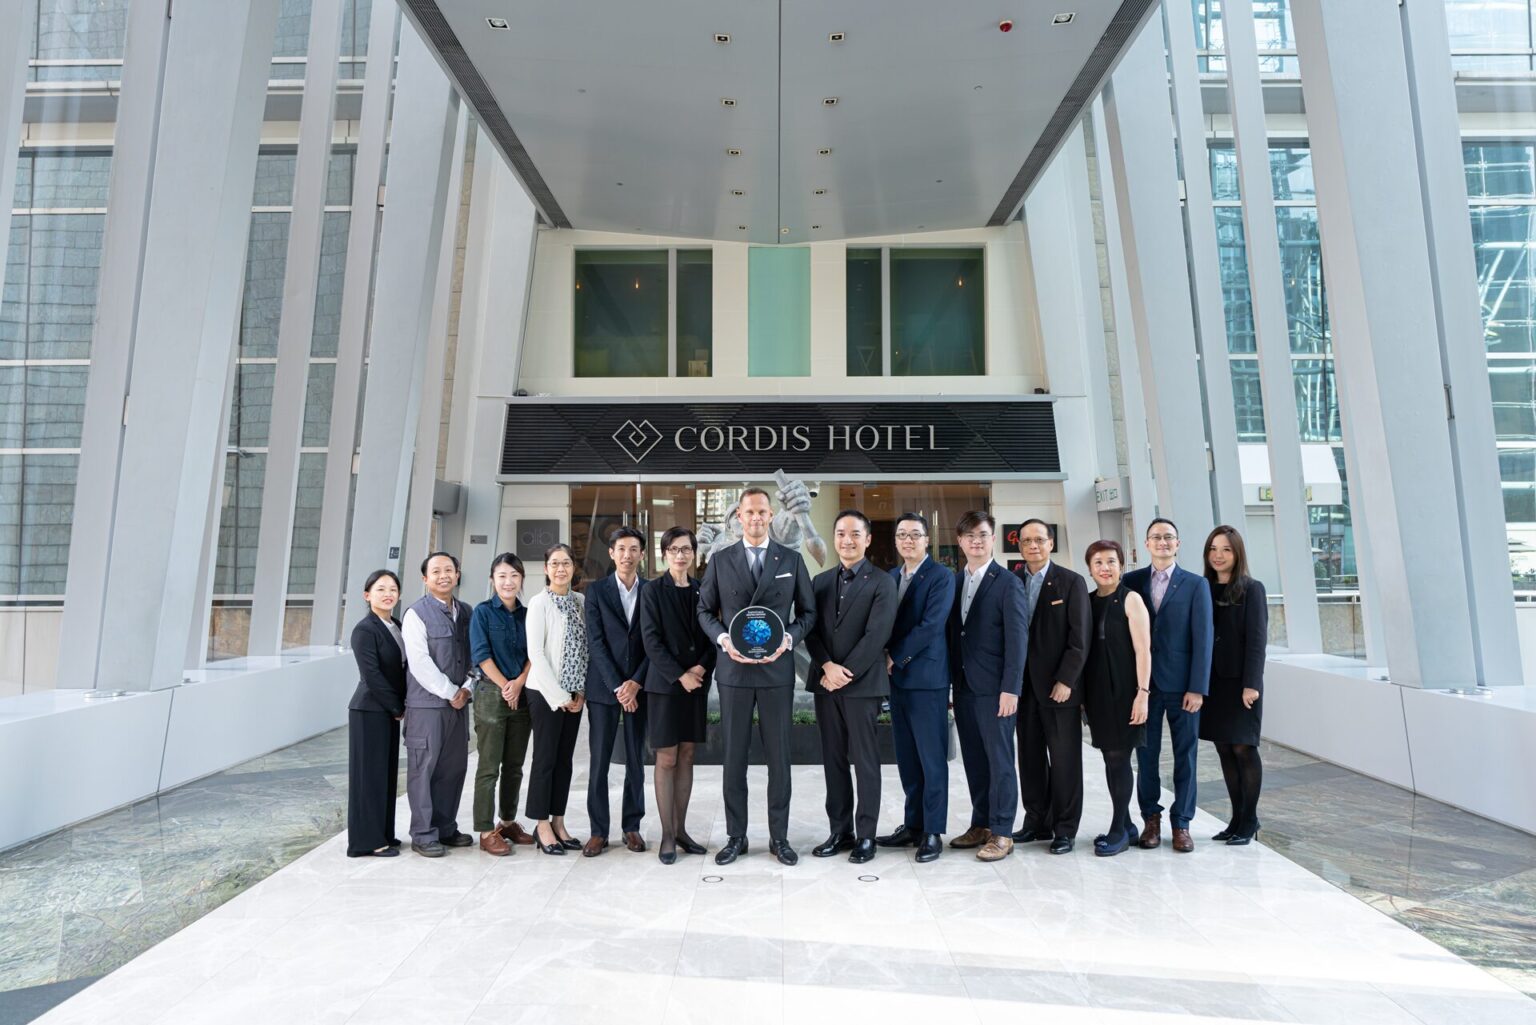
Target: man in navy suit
{"points": [[988, 635], [918, 658], [616, 667], [1180, 605]]}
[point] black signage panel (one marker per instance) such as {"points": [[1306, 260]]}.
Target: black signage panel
{"points": [[562, 438]]}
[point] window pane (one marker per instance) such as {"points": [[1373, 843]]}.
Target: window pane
{"points": [[1233, 261], [79, 30], [1513, 384], [13, 295], [63, 180], [778, 311], [292, 37], [274, 179], [338, 185], [621, 313], [1487, 25], [306, 523], [1301, 268], [47, 510], [10, 524], [355, 16], [332, 275], [50, 288], [865, 309], [938, 312], [262, 310], [1224, 182], [1247, 400], [1290, 172], [239, 523], [250, 415], [1502, 170], [1502, 239], [1317, 400], [695, 312], [317, 405], [55, 406]]}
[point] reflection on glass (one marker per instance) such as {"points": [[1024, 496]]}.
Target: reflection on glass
{"points": [[621, 313], [865, 311], [938, 312]]}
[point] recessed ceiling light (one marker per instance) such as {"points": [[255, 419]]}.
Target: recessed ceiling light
{"points": [[815, 227], [837, 37], [1064, 18], [498, 23], [741, 227], [726, 101], [783, 231], [618, 183], [821, 192], [825, 151], [938, 181], [738, 192], [733, 152], [722, 38], [829, 101]]}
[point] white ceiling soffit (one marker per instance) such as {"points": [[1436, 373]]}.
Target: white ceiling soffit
{"points": [[611, 113]]}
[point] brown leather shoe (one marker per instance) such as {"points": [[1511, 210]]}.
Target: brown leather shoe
{"points": [[973, 837], [1152, 836], [996, 849], [492, 843], [513, 832], [635, 842], [593, 847], [1182, 841]]}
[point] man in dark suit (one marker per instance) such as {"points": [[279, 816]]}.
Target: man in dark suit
{"points": [[918, 657], [1050, 710], [616, 667], [1180, 605], [758, 571], [855, 607], [988, 635]]}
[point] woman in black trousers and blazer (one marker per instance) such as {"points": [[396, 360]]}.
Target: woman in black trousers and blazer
{"points": [[1230, 717], [373, 723], [680, 659]]}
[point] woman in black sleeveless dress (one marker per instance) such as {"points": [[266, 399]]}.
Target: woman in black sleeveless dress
{"points": [[1231, 715], [1116, 680]]}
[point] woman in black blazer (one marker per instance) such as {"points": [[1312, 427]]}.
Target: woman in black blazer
{"points": [[677, 687], [373, 723], [1230, 717]]}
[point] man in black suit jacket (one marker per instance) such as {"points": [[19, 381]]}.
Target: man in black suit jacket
{"points": [[855, 608], [988, 635], [616, 667], [759, 571], [1050, 710]]}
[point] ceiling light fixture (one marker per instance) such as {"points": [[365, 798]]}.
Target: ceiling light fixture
{"points": [[498, 23], [825, 151], [726, 101], [738, 192], [821, 192], [722, 38], [733, 152], [1064, 18], [815, 227], [741, 227], [783, 231], [829, 101], [837, 37]]}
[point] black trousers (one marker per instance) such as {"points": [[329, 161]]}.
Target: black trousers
{"points": [[774, 705], [1050, 764], [554, 745], [373, 780], [848, 747], [602, 731]]}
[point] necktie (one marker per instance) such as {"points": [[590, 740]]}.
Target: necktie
{"points": [[757, 564]]}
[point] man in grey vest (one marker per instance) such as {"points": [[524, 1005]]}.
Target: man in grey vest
{"points": [[437, 694]]}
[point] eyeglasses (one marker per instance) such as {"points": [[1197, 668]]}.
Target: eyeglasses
{"points": [[1033, 542], [907, 535], [1169, 538], [676, 550], [980, 535]]}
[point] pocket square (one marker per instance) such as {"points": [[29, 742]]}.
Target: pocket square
{"points": [[781, 576], [1058, 601]]}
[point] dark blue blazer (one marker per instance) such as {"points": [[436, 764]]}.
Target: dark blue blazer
{"points": [[986, 652], [615, 649], [1182, 630], [919, 646]]}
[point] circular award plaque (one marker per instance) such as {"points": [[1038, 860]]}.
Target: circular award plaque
{"points": [[757, 631]]}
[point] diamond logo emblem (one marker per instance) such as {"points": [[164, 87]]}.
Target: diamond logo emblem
{"points": [[637, 439]]}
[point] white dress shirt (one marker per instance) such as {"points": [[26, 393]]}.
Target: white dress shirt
{"points": [[973, 580], [419, 658], [628, 596]]}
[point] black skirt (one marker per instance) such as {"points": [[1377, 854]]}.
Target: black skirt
{"points": [[1223, 719], [677, 717]]}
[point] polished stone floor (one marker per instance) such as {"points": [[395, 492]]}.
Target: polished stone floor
{"points": [[1226, 934]]}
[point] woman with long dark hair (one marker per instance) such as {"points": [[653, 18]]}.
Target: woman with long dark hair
{"points": [[373, 722], [1230, 717], [556, 691], [680, 658], [1117, 678]]}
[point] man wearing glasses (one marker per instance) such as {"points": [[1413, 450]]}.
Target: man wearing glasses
{"points": [[1180, 605], [988, 634], [918, 658]]}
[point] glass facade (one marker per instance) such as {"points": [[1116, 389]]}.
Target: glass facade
{"points": [[937, 312]]}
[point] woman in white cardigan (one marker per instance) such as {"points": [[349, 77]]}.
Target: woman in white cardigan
{"points": [[556, 688]]}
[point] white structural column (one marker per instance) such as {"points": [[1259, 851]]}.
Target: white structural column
{"points": [[15, 52], [1157, 275], [498, 274], [1431, 91], [1266, 288], [290, 380], [429, 424], [1386, 347], [1138, 467], [352, 338], [410, 239], [190, 289], [1065, 270], [1204, 269]]}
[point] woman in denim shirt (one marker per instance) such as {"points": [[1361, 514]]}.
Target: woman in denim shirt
{"points": [[498, 644]]}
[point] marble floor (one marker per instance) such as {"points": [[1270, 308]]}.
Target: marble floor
{"points": [[1223, 933]]}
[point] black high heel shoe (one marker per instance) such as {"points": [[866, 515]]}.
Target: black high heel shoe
{"points": [[665, 856], [548, 848], [688, 845], [570, 843], [1225, 834]]}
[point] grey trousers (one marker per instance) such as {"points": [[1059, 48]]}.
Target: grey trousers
{"points": [[437, 758]]}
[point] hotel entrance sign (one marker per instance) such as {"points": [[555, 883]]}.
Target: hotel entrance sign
{"points": [[933, 439]]}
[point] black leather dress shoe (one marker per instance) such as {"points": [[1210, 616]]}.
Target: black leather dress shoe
{"points": [[863, 851], [735, 847], [905, 836], [1062, 845], [832, 845], [930, 849], [458, 840], [1031, 834], [784, 852]]}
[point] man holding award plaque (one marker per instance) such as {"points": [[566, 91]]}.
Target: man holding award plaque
{"points": [[756, 603]]}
